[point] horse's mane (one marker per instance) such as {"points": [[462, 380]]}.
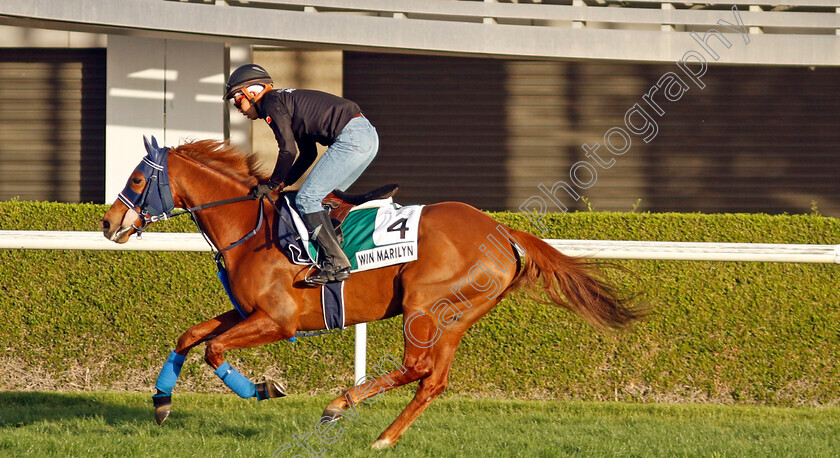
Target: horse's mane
{"points": [[224, 157]]}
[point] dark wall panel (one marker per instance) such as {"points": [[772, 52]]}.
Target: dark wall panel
{"points": [[52, 124], [490, 131]]}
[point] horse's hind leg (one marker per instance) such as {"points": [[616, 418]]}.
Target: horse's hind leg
{"points": [[172, 368], [415, 366], [431, 385], [417, 363], [429, 365]]}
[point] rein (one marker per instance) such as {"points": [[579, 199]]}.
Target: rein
{"points": [[157, 197], [260, 217], [147, 219]]}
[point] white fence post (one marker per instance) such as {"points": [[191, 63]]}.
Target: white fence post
{"points": [[360, 361]]}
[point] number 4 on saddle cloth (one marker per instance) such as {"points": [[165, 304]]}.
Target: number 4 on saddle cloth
{"points": [[374, 233]]}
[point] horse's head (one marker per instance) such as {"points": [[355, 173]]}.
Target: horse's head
{"points": [[145, 198]]}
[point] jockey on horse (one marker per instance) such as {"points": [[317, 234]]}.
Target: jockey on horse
{"points": [[299, 118]]}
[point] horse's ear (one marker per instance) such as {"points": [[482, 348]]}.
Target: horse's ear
{"points": [[148, 145], [155, 151]]}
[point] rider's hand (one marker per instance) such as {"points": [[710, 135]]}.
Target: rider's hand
{"points": [[264, 189]]}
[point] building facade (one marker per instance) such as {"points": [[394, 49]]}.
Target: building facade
{"points": [[724, 126]]}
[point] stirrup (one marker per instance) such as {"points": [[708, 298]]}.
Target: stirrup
{"points": [[323, 277]]}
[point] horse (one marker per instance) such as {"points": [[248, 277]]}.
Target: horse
{"points": [[466, 264]]}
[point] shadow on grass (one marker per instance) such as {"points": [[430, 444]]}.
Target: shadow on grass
{"points": [[27, 408]]}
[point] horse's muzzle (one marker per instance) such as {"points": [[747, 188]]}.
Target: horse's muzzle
{"points": [[118, 231]]}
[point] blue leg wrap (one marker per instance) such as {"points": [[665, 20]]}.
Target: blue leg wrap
{"points": [[236, 381], [169, 373]]}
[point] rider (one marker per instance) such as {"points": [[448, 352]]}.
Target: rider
{"points": [[299, 119]]}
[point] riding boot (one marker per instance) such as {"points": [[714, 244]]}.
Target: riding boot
{"points": [[334, 263]]}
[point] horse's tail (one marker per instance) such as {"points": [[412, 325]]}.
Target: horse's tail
{"points": [[574, 283]]}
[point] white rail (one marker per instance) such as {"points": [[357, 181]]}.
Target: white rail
{"points": [[79, 240], [598, 249], [699, 251], [603, 249]]}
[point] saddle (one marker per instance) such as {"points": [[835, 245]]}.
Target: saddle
{"points": [[291, 235], [340, 203]]}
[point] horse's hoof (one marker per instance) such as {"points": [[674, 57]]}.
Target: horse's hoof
{"points": [[270, 389], [382, 444], [329, 416], [162, 413]]}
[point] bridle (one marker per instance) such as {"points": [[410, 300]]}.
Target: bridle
{"points": [[155, 202]]}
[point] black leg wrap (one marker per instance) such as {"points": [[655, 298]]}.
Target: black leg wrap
{"points": [[161, 399], [261, 394]]}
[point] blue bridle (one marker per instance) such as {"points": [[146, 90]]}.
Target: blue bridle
{"points": [[155, 202]]}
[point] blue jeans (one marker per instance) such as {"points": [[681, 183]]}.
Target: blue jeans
{"points": [[341, 165]]}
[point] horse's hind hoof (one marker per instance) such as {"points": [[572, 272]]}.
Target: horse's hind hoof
{"points": [[382, 444], [329, 416], [162, 413], [270, 389]]}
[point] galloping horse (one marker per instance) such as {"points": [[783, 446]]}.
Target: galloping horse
{"points": [[457, 278]]}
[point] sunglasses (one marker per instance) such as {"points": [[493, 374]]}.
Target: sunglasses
{"points": [[237, 99]]}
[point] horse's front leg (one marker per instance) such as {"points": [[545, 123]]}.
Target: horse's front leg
{"points": [[172, 367], [256, 330]]}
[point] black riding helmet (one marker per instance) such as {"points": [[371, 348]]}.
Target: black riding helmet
{"points": [[243, 76]]}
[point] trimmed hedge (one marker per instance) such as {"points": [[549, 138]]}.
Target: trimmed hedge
{"points": [[721, 332]]}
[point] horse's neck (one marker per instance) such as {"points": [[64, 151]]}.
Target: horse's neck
{"points": [[194, 184]]}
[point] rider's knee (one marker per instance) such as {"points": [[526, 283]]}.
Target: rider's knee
{"points": [[307, 204]]}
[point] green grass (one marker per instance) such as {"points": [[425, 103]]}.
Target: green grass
{"points": [[720, 332], [121, 424]]}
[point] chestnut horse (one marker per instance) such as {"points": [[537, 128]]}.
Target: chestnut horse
{"points": [[467, 262]]}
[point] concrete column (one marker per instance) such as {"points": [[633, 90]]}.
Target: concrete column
{"points": [[171, 89], [239, 126]]}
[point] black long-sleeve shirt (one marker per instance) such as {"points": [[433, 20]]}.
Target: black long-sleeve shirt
{"points": [[299, 119]]}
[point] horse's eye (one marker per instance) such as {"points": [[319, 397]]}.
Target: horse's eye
{"points": [[137, 180]]}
